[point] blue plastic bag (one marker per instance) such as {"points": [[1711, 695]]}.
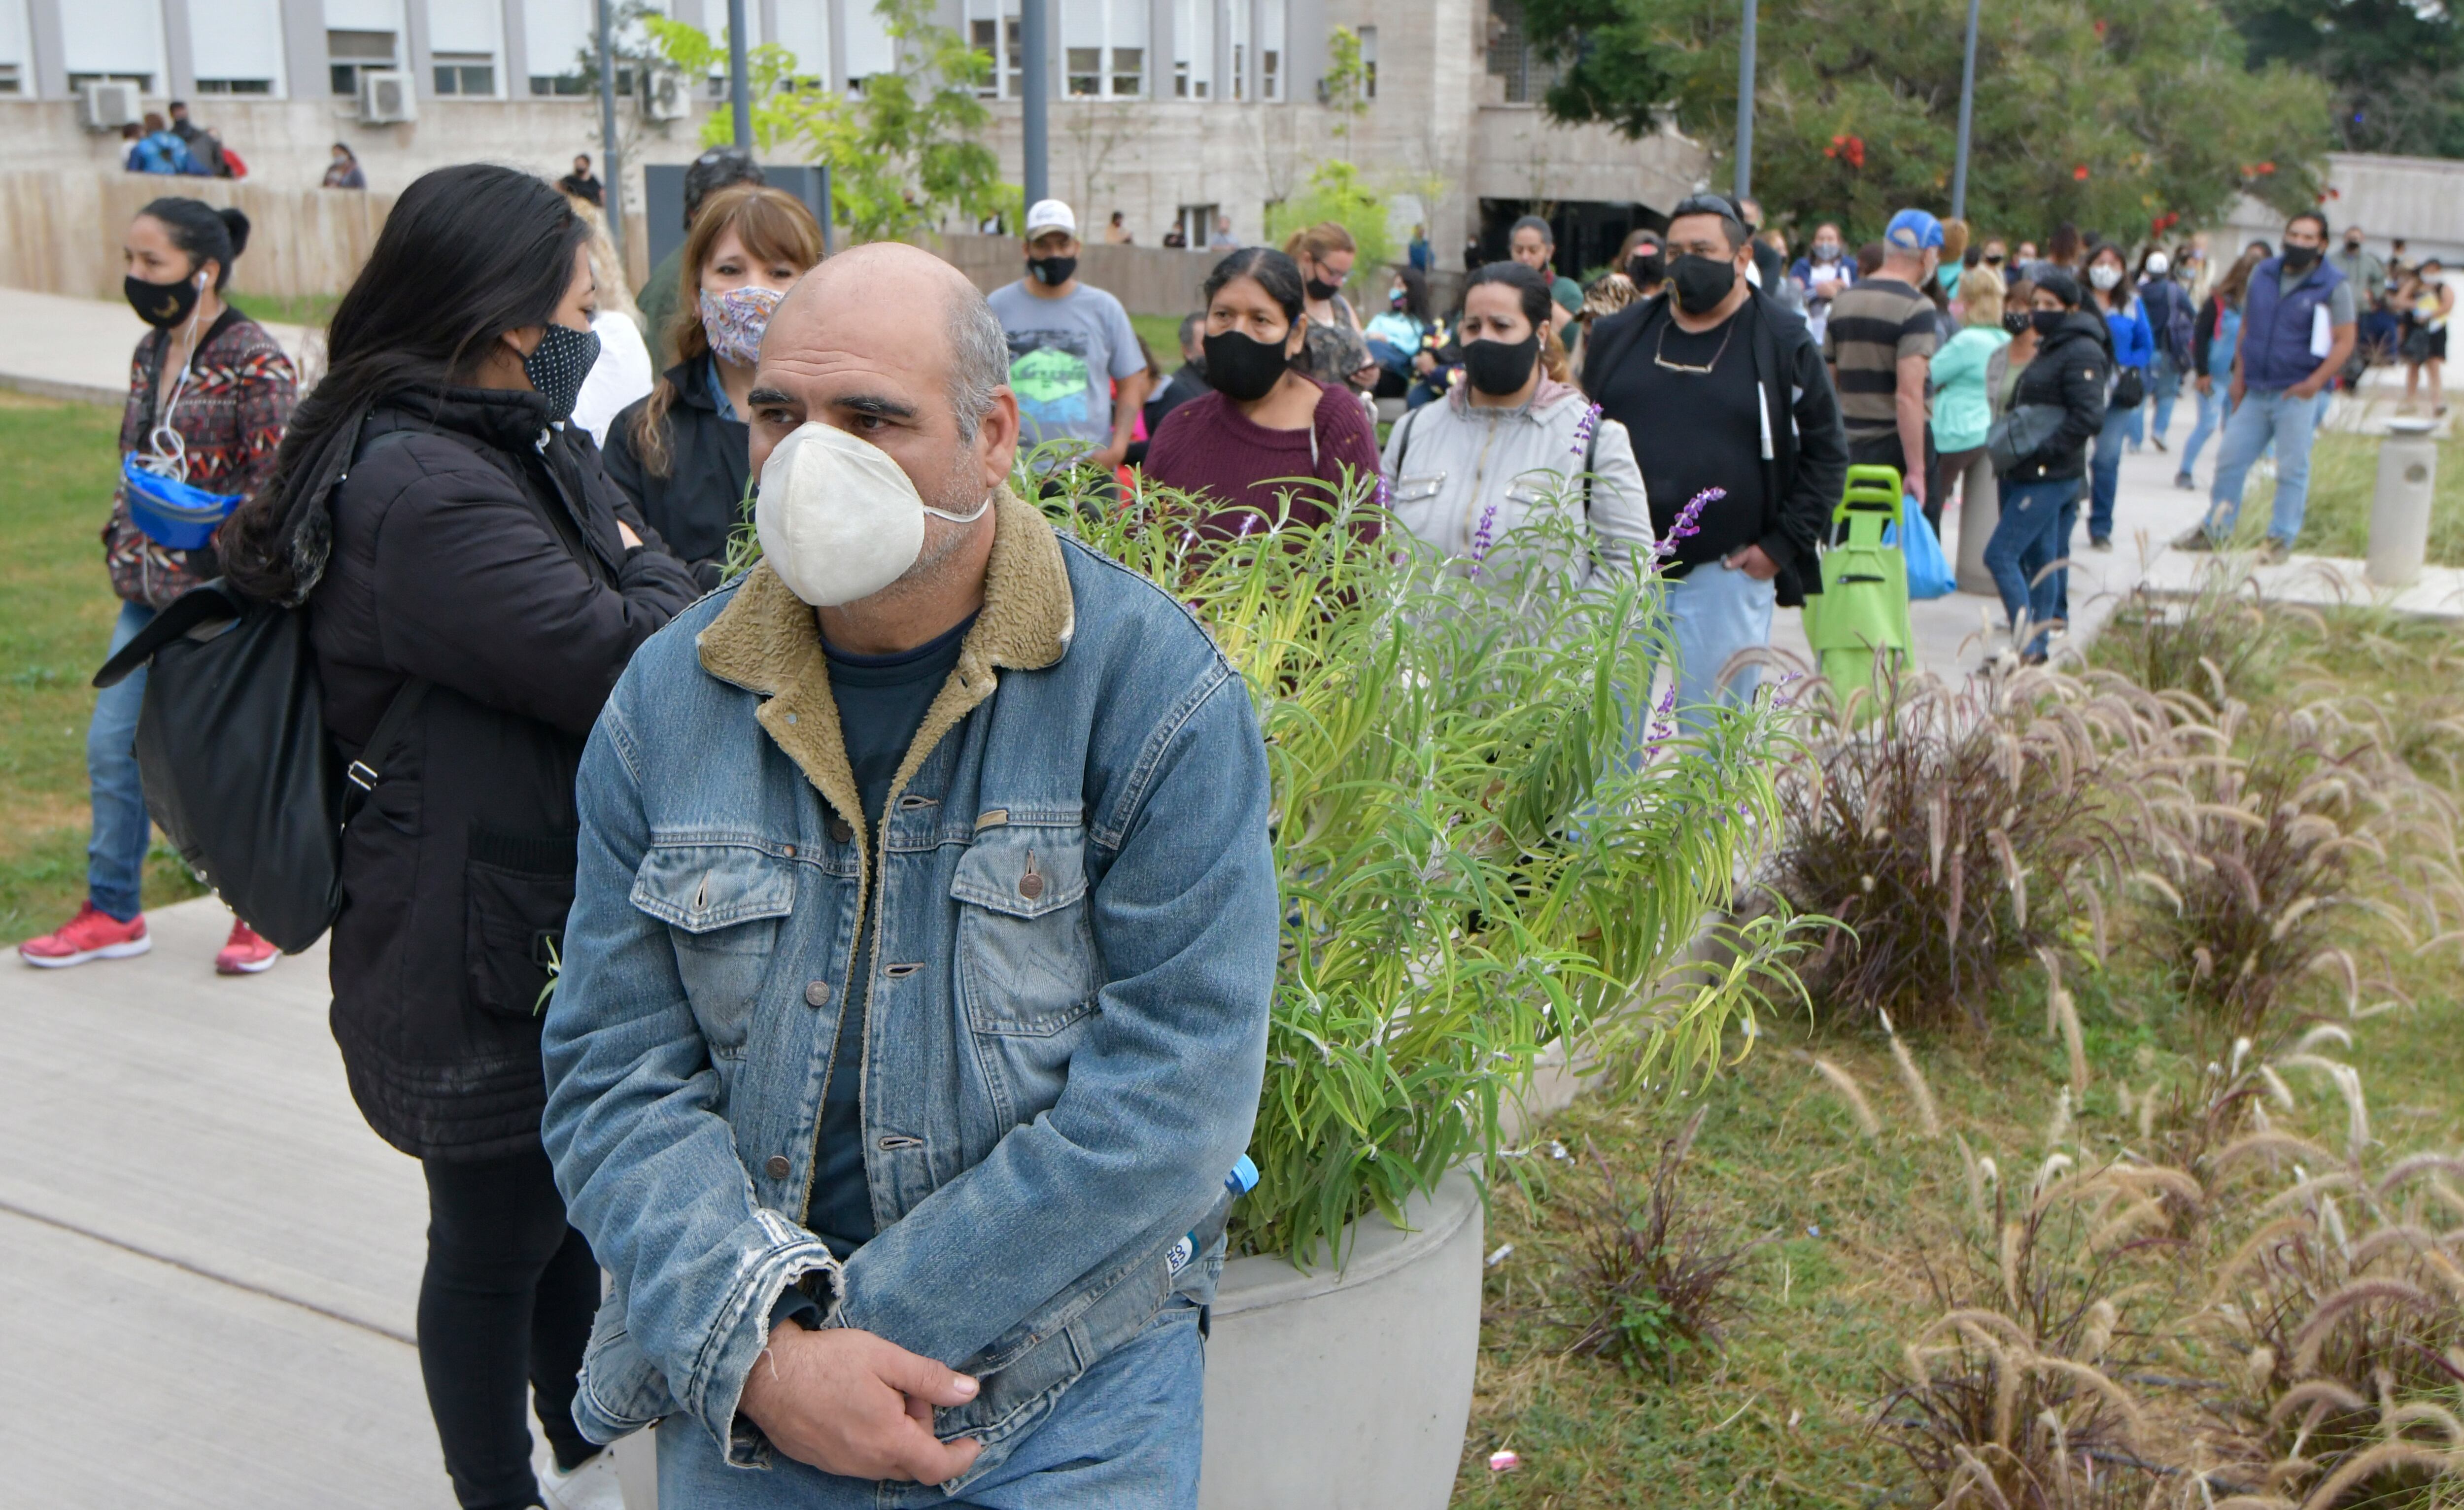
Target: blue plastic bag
{"points": [[1929, 574]]}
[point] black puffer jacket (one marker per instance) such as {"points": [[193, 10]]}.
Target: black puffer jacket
{"points": [[2073, 368], [698, 503], [468, 551]]}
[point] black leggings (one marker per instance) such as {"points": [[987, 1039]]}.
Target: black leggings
{"points": [[506, 1303]]}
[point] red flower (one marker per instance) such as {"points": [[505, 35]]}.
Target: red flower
{"points": [[2099, 28], [2267, 167], [2079, 172]]}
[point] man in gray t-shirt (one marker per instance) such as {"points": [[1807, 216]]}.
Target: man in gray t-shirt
{"points": [[1074, 360]]}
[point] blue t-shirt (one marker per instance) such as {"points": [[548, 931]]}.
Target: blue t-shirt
{"points": [[1065, 354], [882, 701]]}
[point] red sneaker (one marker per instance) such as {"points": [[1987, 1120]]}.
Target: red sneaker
{"points": [[246, 953], [91, 934]]}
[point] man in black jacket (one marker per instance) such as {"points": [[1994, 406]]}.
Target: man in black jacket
{"points": [[1723, 391], [2040, 495]]}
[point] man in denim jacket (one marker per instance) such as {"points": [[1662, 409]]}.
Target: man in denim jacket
{"points": [[1050, 940]]}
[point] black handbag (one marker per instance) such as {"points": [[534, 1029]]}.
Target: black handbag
{"points": [[238, 767], [2129, 389], [2019, 433]]}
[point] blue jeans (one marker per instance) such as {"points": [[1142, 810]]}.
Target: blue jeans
{"points": [[1126, 1433], [1714, 611], [2165, 383], [115, 858], [2104, 471], [2028, 540], [2292, 424], [2214, 408]]}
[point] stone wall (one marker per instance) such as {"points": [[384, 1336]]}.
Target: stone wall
{"points": [[62, 231]]}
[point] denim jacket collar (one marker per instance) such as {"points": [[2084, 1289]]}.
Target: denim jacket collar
{"points": [[768, 641]]}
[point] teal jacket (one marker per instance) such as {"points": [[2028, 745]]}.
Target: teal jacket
{"points": [[1962, 411]]}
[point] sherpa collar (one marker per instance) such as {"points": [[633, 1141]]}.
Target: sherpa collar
{"points": [[768, 641]]}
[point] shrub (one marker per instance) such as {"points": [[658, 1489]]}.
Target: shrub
{"points": [[1944, 830], [2210, 643]]}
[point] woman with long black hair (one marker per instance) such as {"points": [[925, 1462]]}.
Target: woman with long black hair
{"points": [[209, 391], [457, 545]]}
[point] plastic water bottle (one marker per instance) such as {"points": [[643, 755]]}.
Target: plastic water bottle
{"points": [[1243, 1179]]}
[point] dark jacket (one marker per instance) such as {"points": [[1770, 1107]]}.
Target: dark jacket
{"points": [[2073, 368], [698, 504], [464, 554], [1807, 470], [1183, 385]]}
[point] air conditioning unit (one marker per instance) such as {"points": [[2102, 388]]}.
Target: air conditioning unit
{"points": [[108, 104], [668, 98], [385, 96]]}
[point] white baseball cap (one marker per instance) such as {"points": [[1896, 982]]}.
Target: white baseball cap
{"points": [[1050, 214]]}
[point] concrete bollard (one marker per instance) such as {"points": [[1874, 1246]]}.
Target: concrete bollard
{"points": [[1980, 507], [2400, 504]]}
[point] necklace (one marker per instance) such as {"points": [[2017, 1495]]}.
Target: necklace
{"points": [[1658, 353]]}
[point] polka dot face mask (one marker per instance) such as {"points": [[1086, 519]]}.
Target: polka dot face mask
{"points": [[735, 319], [563, 357]]}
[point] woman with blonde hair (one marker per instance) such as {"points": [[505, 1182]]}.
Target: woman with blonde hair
{"points": [[1324, 253], [1962, 410], [680, 454]]}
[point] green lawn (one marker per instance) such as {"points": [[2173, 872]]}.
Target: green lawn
{"points": [[1162, 335], [2344, 472], [312, 310], [54, 494]]}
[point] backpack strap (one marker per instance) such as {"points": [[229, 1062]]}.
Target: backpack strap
{"points": [[1591, 450], [364, 773], [1404, 444]]}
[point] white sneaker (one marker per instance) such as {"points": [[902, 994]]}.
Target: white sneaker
{"points": [[592, 1486]]}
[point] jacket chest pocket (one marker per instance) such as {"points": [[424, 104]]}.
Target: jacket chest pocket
{"points": [[722, 905], [1028, 970]]}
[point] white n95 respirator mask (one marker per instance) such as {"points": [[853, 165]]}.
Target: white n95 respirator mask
{"points": [[838, 519]]}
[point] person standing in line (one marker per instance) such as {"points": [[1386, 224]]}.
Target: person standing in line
{"points": [[205, 148], [160, 150], [1074, 358], [1223, 240], [1324, 253], [1266, 422], [1643, 261], [2214, 340], [1187, 382], [1963, 408], [582, 185], [1879, 344], [1116, 233], [2169, 320], [1720, 388], [208, 394], [449, 535], [679, 453], [718, 168], [1417, 254], [953, 1223], [1534, 245], [1821, 274], [2376, 334], [2428, 302], [1515, 441], [2070, 375], [2297, 329], [2062, 254], [344, 172], [1400, 334], [2134, 351]]}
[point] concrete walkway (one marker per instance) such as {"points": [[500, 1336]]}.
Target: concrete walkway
{"points": [[72, 348]]}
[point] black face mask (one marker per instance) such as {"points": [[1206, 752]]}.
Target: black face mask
{"points": [[1993, 259], [558, 365], [1321, 290], [1244, 368], [162, 305], [2016, 320], [1052, 272], [2298, 259], [1702, 282], [1499, 367], [2048, 321], [1647, 267]]}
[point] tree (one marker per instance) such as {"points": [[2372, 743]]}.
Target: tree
{"points": [[2109, 113], [2396, 67], [1336, 193], [904, 154]]}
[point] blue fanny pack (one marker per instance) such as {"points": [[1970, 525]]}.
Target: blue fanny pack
{"points": [[170, 512]]}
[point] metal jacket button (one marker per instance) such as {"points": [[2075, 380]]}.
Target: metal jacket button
{"points": [[841, 830], [777, 1167], [1031, 886], [817, 993]]}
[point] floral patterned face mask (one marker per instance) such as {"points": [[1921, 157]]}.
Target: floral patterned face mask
{"points": [[734, 321]]}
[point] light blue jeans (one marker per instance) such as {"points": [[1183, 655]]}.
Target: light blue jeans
{"points": [[115, 858], [1126, 1433], [2105, 469], [2292, 424], [2214, 408], [1714, 611], [2164, 387]]}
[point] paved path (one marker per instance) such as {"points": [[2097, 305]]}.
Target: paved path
{"points": [[74, 348]]}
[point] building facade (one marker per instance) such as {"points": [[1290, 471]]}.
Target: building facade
{"points": [[1168, 111]]}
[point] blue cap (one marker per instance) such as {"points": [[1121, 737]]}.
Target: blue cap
{"points": [[1243, 1177], [1913, 230]]}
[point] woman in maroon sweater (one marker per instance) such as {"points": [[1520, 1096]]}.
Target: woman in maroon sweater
{"points": [[1268, 442]]}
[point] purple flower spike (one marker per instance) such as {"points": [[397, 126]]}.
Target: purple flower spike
{"points": [[1584, 426], [1483, 537], [1689, 522]]}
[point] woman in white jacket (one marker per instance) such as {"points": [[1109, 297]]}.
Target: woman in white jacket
{"points": [[1514, 443]]}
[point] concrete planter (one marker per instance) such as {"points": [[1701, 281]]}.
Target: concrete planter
{"points": [[1347, 1388]]}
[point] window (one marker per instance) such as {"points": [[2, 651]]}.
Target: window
{"points": [[1192, 47], [8, 85], [1103, 48], [1085, 71], [1271, 49], [1129, 72], [1510, 56], [1003, 83], [1197, 225], [227, 86], [568, 85], [144, 83], [352, 53], [1369, 62], [465, 74]]}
